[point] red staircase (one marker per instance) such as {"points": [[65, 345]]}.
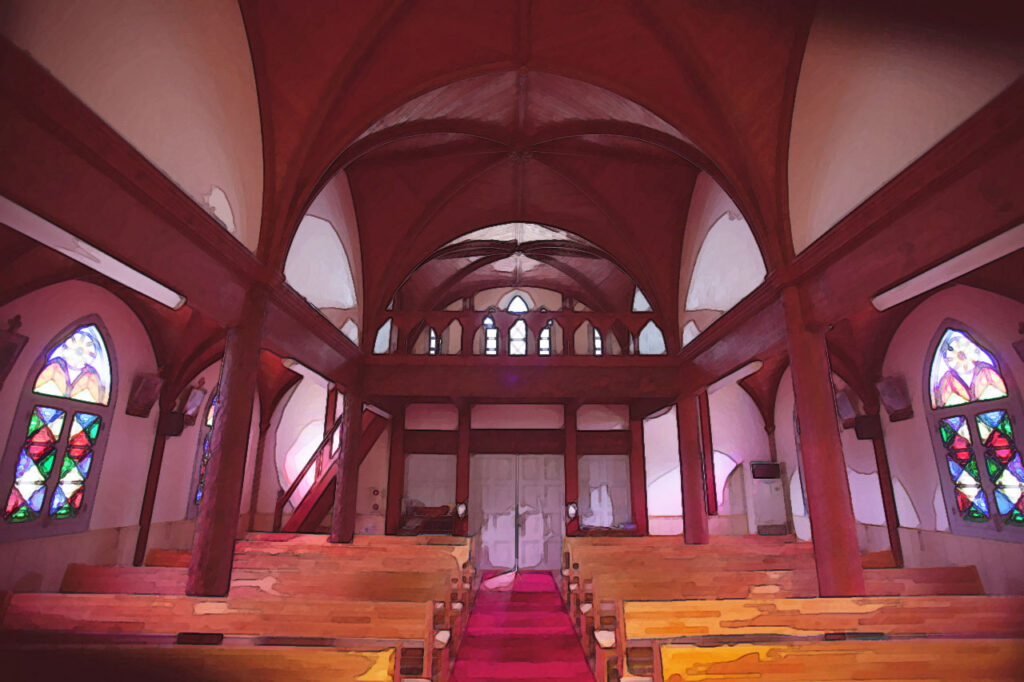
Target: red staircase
{"points": [[314, 506]]}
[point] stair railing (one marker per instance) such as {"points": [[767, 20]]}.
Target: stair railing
{"points": [[322, 457]]}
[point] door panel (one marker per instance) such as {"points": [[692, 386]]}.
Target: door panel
{"points": [[516, 505]]}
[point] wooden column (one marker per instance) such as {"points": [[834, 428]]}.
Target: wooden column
{"points": [[836, 552], [462, 469], [209, 573], [343, 518], [468, 333], [691, 470], [707, 449], [637, 473], [572, 469], [396, 472], [156, 460], [892, 521]]}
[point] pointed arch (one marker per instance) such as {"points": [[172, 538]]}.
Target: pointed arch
{"points": [[517, 336], [972, 411], [651, 341], [60, 432]]}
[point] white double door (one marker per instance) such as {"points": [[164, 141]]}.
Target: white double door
{"points": [[516, 504]]}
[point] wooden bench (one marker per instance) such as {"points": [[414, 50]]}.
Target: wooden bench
{"points": [[173, 663], [599, 612], [896, 659], [408, 627], [649, 625]]}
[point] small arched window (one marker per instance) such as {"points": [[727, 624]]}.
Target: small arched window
{"points": [[598, 342], [972, 417], [517, 338], [433, 343], [64, 413], [544, 340], [490, 336], [518, 305], [205, 451]]}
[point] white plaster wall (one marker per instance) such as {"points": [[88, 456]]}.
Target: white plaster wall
{"points": [[876, 92], [708, 205], [664, 487], [174, 78], [334, 204], [300, 429]]}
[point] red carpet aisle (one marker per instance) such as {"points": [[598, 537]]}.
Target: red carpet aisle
{"points": [[521, 632]]}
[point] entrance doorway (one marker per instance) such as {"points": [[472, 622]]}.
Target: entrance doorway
{"points": [[516, 504]]}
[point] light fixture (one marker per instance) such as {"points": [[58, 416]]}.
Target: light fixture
{"points": [[958, 265], [460, 510], [49, 235], [571, 510], [895, 397]]}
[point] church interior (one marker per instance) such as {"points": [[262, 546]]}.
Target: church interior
{"points": [[616, 340]]}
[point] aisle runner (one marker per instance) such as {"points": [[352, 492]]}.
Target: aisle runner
{"points": [[518, 630]]}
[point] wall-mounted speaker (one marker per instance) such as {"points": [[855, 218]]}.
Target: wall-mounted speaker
{"points": [[895, 397], [144, 393]]}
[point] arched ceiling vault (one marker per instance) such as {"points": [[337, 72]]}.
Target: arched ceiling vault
{"points": [[709, 82]]}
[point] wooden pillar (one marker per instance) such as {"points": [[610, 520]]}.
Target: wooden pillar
{"points": [[468, 334], [836, 552], [209, 573], [572, 469], [343, 519], [462, 469], [892, 521], [637, 473], [257, 476], [691, 470], [156, 460], [396, 472], [707, 449]]}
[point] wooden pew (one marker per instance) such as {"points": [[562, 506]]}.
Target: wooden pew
{"points": [[704, 623], [406, 626], [638, 584], [895, 659], [170, 663], [350, 581]]}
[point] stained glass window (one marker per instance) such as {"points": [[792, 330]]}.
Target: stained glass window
{"points": [[1002, 460], [544, 341], [973, 420], [78, 368], [963, 372], [35, 463], [970, 498], [67, 498], [52, 464], [517, 338], [206, 445], [490, 336]]}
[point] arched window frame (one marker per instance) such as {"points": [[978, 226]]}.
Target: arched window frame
{"points": [[204, 444], [544, 339], [597, 342], [45, 525], [993, 528], [490, 336], [433, 342], [518, 340]]}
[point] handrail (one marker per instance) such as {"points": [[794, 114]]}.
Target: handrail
{"points": [[317, 456]]}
